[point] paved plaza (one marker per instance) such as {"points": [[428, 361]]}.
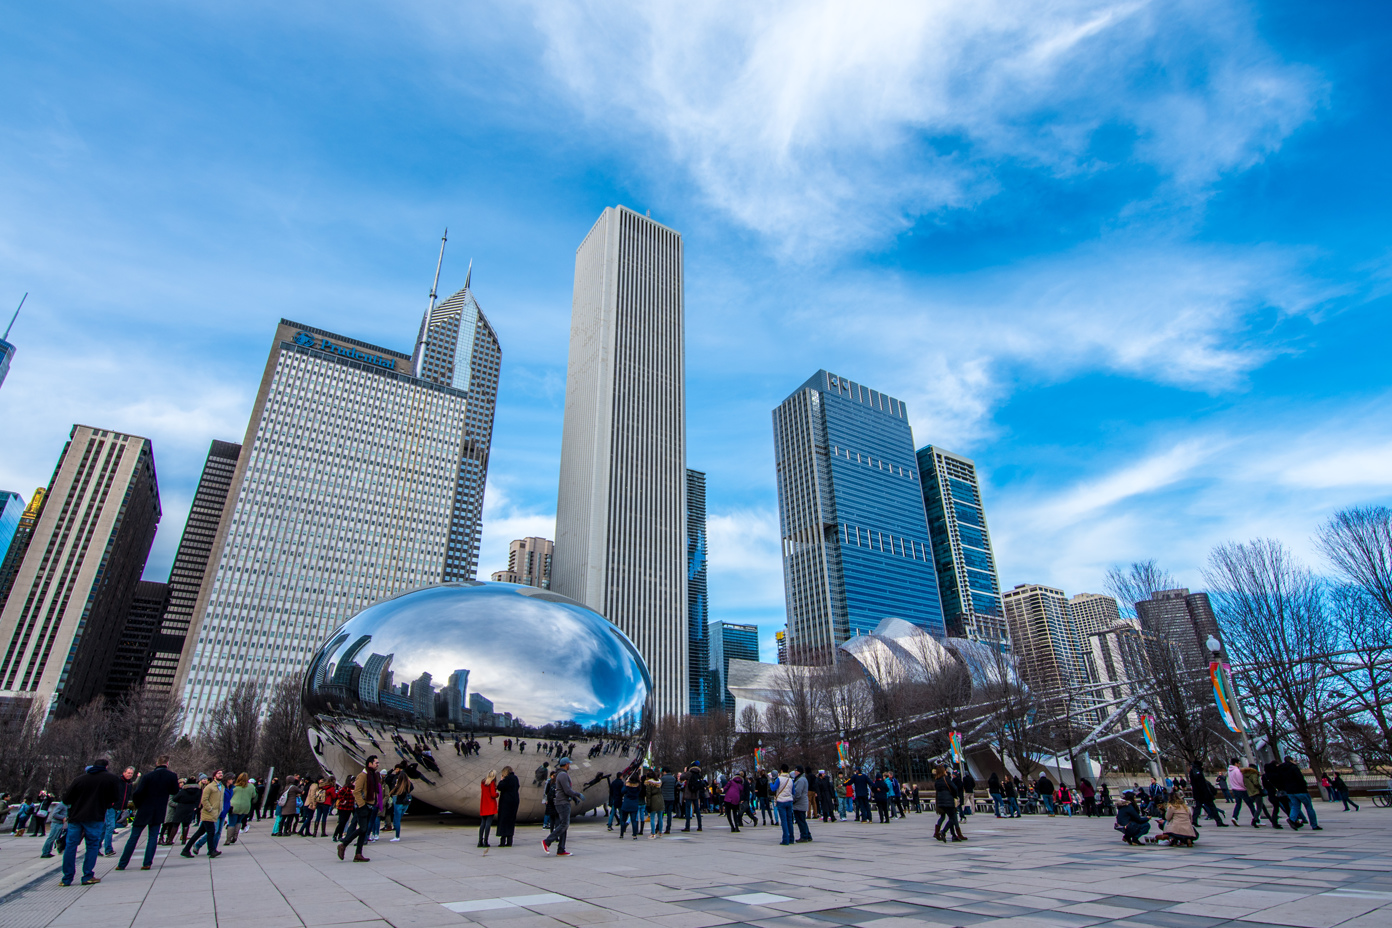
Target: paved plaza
{"points": [[1034, 872]]}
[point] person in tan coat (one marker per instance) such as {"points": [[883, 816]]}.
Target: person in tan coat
{"points": [[209, 808], [1179, 823], [367, 799]]}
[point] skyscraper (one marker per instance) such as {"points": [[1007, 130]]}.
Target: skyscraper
{"points": [[457, 347], [962, 555], [73, 590], [1182, 619], [529, 563], [1090, 614], [19, 543], [133, 649], [1117, 658], [729, 641], [11, 511], [855, 538], [1047, 649], [191, 564], [343, 495], [621, 509], [7, 350], [703, 699]]}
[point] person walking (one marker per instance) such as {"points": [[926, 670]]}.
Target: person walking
{"points": [[326, 805], [565, 795], [1298, 792], [945, 800], [313, 795], [1341, 792], [345, 805], [996, 792], [488, 807], [365, 797], [1012, 795], [183, 810], [1204, 794], [209, 809], [1089, 794], [782, 789], [733, 791], [800, 801], [241, 800], [88, 799], [761, 796], [151, 798], [508, 801]]}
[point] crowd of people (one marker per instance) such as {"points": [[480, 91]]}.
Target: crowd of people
{"points": [[207, 810]]}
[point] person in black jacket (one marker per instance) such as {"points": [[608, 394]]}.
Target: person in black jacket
{"points": [[1129, 820], [1204, 794], [88, 799], [508, 801], [151, 799], [1292, 781], [945, 799]]}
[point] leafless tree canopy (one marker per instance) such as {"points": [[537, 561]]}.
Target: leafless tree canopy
{"points": [[234, 728], [1130, 585]]}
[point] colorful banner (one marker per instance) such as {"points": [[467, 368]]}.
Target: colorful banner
{"points": [[954, 740], [843, 753], [1223, 695], [1148, 731], [761, 758]]}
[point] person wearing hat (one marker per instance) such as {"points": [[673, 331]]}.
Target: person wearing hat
{"points": [[1130, 820], [565, 795]]}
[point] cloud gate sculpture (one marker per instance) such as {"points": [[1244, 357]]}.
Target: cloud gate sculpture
{"points": [[463, 678]]}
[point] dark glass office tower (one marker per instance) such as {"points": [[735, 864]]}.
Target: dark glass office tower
{"points": [[132, 655], [19, 543], [728, 642], [191, 564], [962, 553], [697, 609], [856, 548]]}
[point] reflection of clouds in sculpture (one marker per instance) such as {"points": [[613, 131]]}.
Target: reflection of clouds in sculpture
{"points": [[537, 656]]}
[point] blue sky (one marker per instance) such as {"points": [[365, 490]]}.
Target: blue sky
{"points": [[1133, 257]]}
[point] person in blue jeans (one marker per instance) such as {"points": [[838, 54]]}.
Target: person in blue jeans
{"points": [[782, 789], [88, 799], [151, 798], [125, 789], [1292, 780], [57, 825]]}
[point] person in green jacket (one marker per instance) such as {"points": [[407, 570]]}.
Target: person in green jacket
{"points": [[243, 798]]}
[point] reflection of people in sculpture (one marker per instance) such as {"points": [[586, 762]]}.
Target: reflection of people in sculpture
{"points": [[488, 806], [508, 801], [541, 773]]}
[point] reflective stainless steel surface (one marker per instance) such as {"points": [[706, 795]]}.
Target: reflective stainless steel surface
{"points": [[463, 678]]}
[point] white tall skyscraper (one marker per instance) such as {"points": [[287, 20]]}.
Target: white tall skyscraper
{"points": [[621, 511], [344, 494]]}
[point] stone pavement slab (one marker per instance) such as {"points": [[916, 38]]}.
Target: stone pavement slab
{"points": [[1033, 872]]}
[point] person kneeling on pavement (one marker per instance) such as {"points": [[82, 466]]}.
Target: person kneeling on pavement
{"points": [[1130, 820]]}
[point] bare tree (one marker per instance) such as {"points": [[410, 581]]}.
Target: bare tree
{"points": [[284, 738], [1358, 542], [22, 765], [1136, 582], [1272, 610], [69, 744], [143, 726], [234, 727]]}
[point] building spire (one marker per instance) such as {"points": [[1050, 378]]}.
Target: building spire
{"points": [[418, 356], [469, 276], [26, 296]]}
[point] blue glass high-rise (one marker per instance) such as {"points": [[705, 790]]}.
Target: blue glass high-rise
{"points": [[701, 699], [856, 548], [729, 641]]}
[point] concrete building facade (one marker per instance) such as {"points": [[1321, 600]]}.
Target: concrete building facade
{"points": [[1183, 620], [621, 507], [529, 563], [1047, 649], [73, 590]]}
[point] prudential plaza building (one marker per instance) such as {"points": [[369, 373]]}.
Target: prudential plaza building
{"points": [[357, 480]]}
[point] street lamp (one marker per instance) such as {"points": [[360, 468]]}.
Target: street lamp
{"points": [[1215, 648]]}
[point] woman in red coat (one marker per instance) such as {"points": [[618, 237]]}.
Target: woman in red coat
{"points": [[488, 806]]}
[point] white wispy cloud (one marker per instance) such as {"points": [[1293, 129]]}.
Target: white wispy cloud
{"points": [[828, 124], [504, 519]]}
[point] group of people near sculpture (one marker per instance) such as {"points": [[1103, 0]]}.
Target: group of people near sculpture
{"points": [[638, 799]]}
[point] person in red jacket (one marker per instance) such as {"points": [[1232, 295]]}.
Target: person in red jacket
{"points": [[488, 806]]}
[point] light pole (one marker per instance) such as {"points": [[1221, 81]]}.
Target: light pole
{"points": [[1215, 647]]}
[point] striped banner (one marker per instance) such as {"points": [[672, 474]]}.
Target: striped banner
{"points": [[1223, 696]]}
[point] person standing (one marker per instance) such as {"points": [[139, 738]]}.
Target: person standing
{"points": [[761, 796], [313, 795], [993, 787], [345, 805], [366, 797], [151, 797], [88, 799], [401, 790], [945, 799], [1044, 789], [488, 807], [113, 815], [861, 785], [693, 792], [1085, 789], [652, 796], [57, 827], [326, 805], [826, 796], [880, 790], [782, 789], [508, 801], [183, 811], [1298, 792], [565, 795], [800, 789], [669, 798], [733, 791], [209, 809], [968, 791]]}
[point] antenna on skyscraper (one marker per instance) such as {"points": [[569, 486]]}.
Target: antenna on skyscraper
{"points": [[26, 296], [418, 356], [436, 285], [469, 276]]}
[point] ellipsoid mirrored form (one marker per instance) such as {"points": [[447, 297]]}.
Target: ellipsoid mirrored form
{"points": [[463, 678]]}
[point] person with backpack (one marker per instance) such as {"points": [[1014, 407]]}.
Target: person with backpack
{"points": [[693, 792]]}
